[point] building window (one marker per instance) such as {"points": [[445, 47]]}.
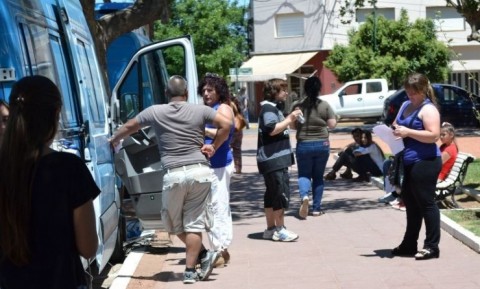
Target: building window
{"points": [[446, 18], [289, 25], [362, 14]]}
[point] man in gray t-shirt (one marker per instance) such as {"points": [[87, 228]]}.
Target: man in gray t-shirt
{"points": [[180, 130]]}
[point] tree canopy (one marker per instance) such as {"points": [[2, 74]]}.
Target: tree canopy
{"points": [[113, 25], [391, 50], [470, 9], [217, 28]]}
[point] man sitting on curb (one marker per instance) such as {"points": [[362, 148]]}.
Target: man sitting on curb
{"points": [[345, 156]]}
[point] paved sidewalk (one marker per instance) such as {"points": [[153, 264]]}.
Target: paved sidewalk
{"points": [[348, 247]]}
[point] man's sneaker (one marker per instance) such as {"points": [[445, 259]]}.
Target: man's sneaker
{"points": [[207, 263], [387, 198], [303, 212], [284, 236], [268, 234], [190, 277]]}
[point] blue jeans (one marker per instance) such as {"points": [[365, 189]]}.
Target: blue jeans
{"points": [[312, 159]]}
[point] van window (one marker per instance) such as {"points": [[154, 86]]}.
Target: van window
{"points": [[146, 80], [94, 100], [45, 56], [144, 85]]}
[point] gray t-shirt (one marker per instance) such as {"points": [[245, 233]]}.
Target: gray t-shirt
{"points": [[180, 131]]}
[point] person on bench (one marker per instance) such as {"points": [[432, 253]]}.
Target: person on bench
{"points": [[448, 149]]}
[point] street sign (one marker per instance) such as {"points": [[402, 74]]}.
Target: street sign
{"points": [[241, 71]]}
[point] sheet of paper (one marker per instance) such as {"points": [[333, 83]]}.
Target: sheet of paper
{"points": [[385, 133]]}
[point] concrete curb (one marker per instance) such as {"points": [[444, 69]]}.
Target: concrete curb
{"points": [[457, 231], [127, 270]]}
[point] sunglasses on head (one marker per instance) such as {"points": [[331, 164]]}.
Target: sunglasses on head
{"points": [[209, 74]]}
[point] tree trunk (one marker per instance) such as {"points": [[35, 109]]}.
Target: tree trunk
{"points": [[111, 26]]}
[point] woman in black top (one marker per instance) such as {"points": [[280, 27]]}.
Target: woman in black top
{"points": [[46, 211]]}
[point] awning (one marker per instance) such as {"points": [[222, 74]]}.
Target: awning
{"points": [[464, 65], [264, 67]]}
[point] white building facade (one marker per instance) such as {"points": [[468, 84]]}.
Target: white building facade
{"points": [[292, 38]]}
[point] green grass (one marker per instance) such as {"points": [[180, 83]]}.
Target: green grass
{"points": [[468, 219], [472, 179]]}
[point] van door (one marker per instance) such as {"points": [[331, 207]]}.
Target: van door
{"points": [[94, 132], [141, 85]]}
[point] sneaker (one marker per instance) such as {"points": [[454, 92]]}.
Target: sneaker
{"points": [[395, 202], [268, 234], [190, 277], [207, 263], [346, 175], [400, 206], [331, 176], [318, 213], [303, 212], [387, 198], [284, 236], [359, 179]]}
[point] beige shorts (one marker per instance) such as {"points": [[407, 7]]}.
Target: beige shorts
{"points": [[186, 199]]}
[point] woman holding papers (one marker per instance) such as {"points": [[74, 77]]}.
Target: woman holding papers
{"points": [[418, 124]]}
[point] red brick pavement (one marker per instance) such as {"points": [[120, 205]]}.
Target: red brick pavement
{"points": [[345, 249]]}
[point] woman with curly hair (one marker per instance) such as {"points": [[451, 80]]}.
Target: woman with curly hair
{"points": [[215, 93]]}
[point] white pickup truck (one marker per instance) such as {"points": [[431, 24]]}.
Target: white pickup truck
{"points": [[359, 99]]}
